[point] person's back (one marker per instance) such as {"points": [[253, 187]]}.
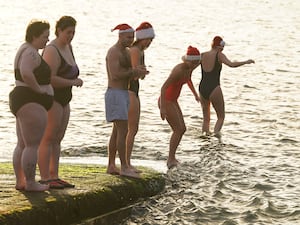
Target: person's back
{"points": [[210, 69], [209, 87]]}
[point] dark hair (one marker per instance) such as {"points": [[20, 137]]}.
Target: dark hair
{"points": [[64, 22], [35, 28]]}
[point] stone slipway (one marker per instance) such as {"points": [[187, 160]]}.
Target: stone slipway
{"points": [[98, 198]]}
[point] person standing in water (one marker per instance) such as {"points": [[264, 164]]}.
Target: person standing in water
{"points": [[168, 104], [144, 36], [209, 87], [119, 72]]}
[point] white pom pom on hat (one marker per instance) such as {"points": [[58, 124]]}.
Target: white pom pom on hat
{"points": [[192, 54], [144, 31], [123, 28], [218, 42]]}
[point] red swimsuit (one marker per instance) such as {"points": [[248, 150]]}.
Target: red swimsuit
{"points": [[173, 91]]}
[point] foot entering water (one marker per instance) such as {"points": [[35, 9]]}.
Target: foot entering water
{"points": [[219, 136], [172, 163]]}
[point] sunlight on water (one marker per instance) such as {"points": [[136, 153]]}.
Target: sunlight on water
{"points": [[254, 176]]}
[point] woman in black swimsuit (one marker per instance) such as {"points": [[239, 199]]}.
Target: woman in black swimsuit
{"points": [[209, 88], [29, 101], [64, 75], [144, 37]]}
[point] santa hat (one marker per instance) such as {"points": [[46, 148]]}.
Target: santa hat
{"points": [[192, 54], [145, 30], [123, 28], [218, 42]]}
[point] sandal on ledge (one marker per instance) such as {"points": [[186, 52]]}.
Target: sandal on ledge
{"points": [[52, 184], [64, 183]]}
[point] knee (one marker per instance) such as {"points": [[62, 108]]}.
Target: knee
{"points": [[181, 130], [221, 116], [132, 131]]}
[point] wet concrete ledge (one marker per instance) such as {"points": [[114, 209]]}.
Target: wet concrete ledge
{"points": [[98, 198]]}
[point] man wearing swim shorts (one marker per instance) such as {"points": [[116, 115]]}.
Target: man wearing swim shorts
{"points": [[119, 72]]}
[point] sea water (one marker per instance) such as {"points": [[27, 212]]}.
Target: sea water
{"points": [[253, 176]]}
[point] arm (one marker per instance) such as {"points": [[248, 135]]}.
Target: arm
{"points": [[191, 86], [229, 63], [28, 62], [135, 56]]}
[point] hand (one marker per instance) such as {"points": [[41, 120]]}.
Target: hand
{"points": [[77, 82], [249, 61], [140, 71]]}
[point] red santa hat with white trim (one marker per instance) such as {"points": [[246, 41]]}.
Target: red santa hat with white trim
{"points": [[123, 28], [192, 54], [144, 31]]}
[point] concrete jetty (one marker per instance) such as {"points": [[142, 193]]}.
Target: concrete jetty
{"points": [[98, 198]]}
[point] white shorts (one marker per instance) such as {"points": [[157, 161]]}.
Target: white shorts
{"points": [[116, 104]]}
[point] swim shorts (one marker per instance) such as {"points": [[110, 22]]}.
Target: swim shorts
{"points": [[116, 104]]}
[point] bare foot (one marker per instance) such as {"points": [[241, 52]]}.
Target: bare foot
{"points": [[219, 136], [113, 170], [172, 163], [206, 135], [129, 173], [134, 169], [20, 187], [35, 186]]}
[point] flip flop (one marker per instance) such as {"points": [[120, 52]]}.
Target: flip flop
{"points": [[52, 184], [64, 183]]}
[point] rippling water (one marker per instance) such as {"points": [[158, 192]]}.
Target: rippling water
{"points": [[253, 177]]}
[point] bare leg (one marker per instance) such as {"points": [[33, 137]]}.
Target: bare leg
{"points": [[63, 115], [218, 104], [112, 151], [32, 120], [49, 151], [175, 119], [122, 129], [17, 160], [206, 115], [133, 124]]}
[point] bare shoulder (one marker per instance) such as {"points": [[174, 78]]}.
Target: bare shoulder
{"points": [[178, 70], [50, 50], [32, 54], [134, 49]]}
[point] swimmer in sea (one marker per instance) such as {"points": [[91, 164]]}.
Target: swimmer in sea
{"points": [[168, 104], [209, 88]]}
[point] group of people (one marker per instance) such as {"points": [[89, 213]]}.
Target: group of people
{"points": [[40, 99], [126, 65], [40, 102]]}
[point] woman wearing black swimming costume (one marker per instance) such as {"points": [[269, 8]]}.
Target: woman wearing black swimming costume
{"points": [[29, 101], [209, 88], [144, 36], [64, 75]]}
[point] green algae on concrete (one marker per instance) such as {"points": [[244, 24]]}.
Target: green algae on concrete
{"points": [[96, 193]]}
